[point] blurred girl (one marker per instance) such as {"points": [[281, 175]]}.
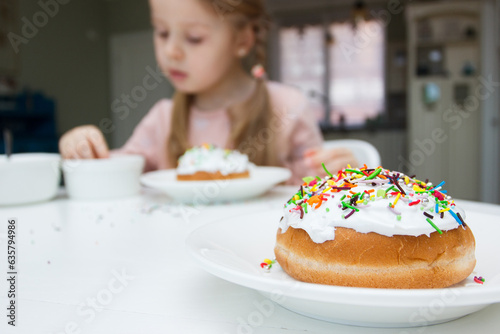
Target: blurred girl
{"points": [[200, 46]]}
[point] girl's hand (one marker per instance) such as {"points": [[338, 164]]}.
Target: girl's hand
{"points": [[334, 159], [83, 142]]}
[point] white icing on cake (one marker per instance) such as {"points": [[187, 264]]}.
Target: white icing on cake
{"points": [[211, 159], [374, 214]]}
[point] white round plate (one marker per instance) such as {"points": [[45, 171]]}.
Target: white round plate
{"points": [[261, 180], [233, 249]]}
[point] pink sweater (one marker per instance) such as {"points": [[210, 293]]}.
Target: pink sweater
{"points": [[295, 128]]}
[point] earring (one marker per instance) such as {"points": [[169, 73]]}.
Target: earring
{"points": [[258, 71]]}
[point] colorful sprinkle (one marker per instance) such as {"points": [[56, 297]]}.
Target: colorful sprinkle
{"points": [[374, 185], [397, 213], [388, 189], [433, 225], [354, 171], [326, 170], [439, 195], [479, 280], [307, 179], [455, 216], [349, 206], [267, 264], [461, 219], [428, 215], [350, 214], [438, 186], [396, 200], [374, 174]]}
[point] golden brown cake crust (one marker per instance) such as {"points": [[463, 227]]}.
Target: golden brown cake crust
{"points": [[377, 261], [206, 176]]}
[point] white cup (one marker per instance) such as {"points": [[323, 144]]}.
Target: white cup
{"points": [[95, 179], [29, 178]]}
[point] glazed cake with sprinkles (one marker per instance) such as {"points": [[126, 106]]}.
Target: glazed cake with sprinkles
{"points": [[374, 228], [208, 162]]}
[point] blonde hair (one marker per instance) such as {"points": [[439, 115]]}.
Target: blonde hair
{"points": [[249, 120]]}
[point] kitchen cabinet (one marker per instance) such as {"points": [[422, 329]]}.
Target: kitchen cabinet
{"points": [[445, 94]]}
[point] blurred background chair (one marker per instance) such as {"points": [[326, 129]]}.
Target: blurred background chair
{"points": [[364, 152]]}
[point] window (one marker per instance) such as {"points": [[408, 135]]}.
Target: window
{"points": [[340, 68], [303, 62]]}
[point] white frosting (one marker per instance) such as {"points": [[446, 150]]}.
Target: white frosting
{"points": [[208, 158], [374, 216]]}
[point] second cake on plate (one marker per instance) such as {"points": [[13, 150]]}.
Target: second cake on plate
{"points": [[208, 162]]}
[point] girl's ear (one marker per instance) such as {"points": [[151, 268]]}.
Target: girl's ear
{"points": [[245, 41]]}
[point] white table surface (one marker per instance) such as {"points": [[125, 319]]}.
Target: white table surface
{"points": [[121, 267]]}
